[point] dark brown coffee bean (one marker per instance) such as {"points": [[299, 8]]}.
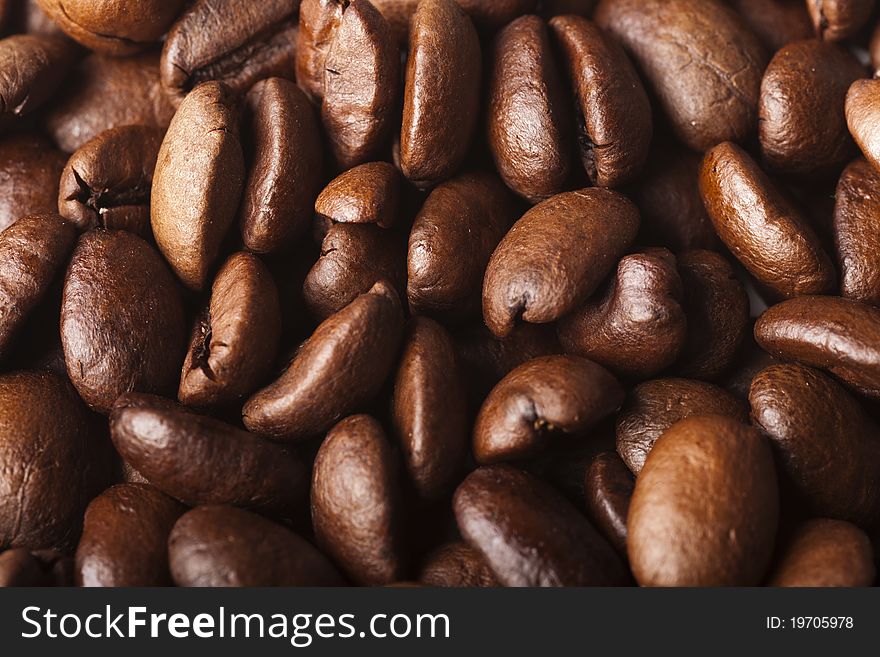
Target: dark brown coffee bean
{"points": [[654, 406], [838, 335], [29, 172], [555, 256], [761, 227], [341, 367], [107, 182], [801, 122], [367, 194], [776, 22], [637, 326], [318, 22], [122, 323], [826, 553], [114, 28], [224, 546], [456, 565], [285, 160], [55, 460], [198, 181], [538, 402], [33, 251], [703, 64], [361, 85], [614, 115], [238, 42], [857, 232], [717, 309], [836, 20], [429, 409], [200, 460], [234, 344], [529, 121], [825, 443], [705, 506], [125, 538], [108, 92], [862, 112], [23, 567], [356, 505], [442, 96], [529, 534], [451, 242], [608, 487]]}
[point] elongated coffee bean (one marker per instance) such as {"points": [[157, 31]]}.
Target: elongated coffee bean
{"points": [[862, 110], [857, 232], [29, 172], [608, 488]]}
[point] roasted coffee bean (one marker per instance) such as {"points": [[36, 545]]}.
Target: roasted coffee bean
{"points": [[614, 115], [456, 565], [341, 367], [704, 65], [238, 42], [801, 121], [761, 227], [862, 112], [366, 194], [22, 567], [201, 460], [529, 122], [197, 183], [55, 460], [113, 27], [705, 507], [836, 20], [108, 92], [529, 534], [224, 546], [857, 232], [654, 406], [750, 360], [637, 326], [285, 159], [776, 22], [452, 239], [234, 344], [29, 172], [33, 252], [555, 256], [608, 488], [442, 95], [107, 182], [429, 409], [834, 334], [539, 401], [125, 538], [825, 443], [122, 323], [318, 22], [356, 504], [826, 552]]}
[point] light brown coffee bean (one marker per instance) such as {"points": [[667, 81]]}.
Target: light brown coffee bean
{"points": [[366, 194]]}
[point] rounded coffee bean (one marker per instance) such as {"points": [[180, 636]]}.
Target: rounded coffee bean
{"points": [[836, 20], [863, 117], [198, 181], [529, 534], [107, 182], [29, 172], [125, 538], [857, 232], [654, 406], [366, 194], [838, 335], [342, 366], [23, 567], [356, 504], [224, 546], [456, 565], [761, 228], [234, 344], [776, 22], [555, 256], [201, 460], [705, 506]]}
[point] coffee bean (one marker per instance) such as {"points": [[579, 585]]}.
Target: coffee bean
{"points": [[456, 565], [29, 171], [318, 22], [705, 506], [366, 194], [22, 567], [776, 22], [862, 108], [608, 487], [836, 20], [856, 231]]}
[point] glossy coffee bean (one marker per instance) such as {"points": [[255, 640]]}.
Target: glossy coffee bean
{"points": [[529, 534], [705, 506], [857, 232], [838, 335], [366, 194], [29, 171], [125, 537], [456, 565], [862, 110], [608, 488], [107, 181], [654, 406], [356, 504], [224, 546], [776, 22], [555, 256], [200, 460], [836, 20]]}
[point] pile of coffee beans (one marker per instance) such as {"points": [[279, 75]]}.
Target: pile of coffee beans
{"points": [[439, 292]]}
